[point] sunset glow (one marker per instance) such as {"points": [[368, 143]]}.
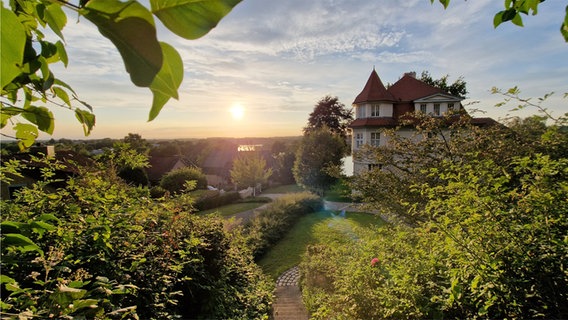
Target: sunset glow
{"points": [[237, 111]]}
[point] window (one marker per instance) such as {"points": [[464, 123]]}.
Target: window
{"points": [[423, 108], [375, 139], [436, 109], [361, 112], [375, 110], [372, 166], [450, 107], [358, 140]]}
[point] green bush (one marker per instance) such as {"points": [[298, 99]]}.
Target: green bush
{"points": [[214, 199], [272, 223], [175, 180], [494, 247], [101, 249], [134, 176]]}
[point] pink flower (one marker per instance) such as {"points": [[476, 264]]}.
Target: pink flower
{"points": [[374, 261]]}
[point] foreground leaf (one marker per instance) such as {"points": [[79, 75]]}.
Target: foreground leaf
{"points": [[13, 40], [191, 19], [130, 27], [26, 135], [167, 81]]}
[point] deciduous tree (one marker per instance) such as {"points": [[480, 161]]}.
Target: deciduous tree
{"points": [[249, 170], [330, 113], [318, 157]]}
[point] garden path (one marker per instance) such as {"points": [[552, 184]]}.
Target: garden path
{"points": [[288, 304]]}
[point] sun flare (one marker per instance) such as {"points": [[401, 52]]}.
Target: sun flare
{"points": [[237, 111]]}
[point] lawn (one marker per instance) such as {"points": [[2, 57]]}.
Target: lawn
{"points": [[289, 188], [288, 252], [231, 209]]}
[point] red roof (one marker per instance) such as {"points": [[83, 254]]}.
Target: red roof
{"points": [[409, 88], [374, 90]]}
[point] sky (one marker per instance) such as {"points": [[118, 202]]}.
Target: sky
{"points": [[277, 59]]}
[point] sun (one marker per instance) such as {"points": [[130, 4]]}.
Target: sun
{"points": [[237, 111]]}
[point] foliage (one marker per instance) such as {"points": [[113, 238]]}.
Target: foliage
{"points": [[513, 11], [137, 143], [249, 170], [216, 199], [101, 249], [272, 223], [128, 25], [458, 88], [319, 155], [135, 176], [174, 181], [330, 113]]}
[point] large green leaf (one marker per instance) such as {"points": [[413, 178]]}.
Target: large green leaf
{"points": [[23, 243], [13, 41], [40, 116], [56, 18], [167, 81], [26, 135], [87, 119], [191, 19], [130, 27]]}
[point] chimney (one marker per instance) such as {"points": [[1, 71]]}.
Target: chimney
{"points": [[411, 73], [48, 151]]}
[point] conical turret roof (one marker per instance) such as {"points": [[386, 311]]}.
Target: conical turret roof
{"points": [[374, 90]]}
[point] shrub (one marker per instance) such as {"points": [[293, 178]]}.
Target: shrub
{"points": [[272, 223], [101, 249], [214, 199], [175, 180], [134, 176]]}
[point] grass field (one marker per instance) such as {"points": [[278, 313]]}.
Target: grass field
{"points": [[289, 188], [288, 252], [231, 209]]}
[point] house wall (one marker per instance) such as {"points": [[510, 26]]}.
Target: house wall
{"points": [[365, 110]]}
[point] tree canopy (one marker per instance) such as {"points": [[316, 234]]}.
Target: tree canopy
{"points": [[330, 113], [249, 170], [318, 158], [458, 88]]}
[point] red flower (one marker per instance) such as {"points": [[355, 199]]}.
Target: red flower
{"points": [[374, 261]]}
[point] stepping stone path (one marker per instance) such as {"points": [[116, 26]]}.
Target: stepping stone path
{"points": [[288, 304]]}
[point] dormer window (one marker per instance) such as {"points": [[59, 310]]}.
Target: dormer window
{"points": [[375, 110], [423, 108]]}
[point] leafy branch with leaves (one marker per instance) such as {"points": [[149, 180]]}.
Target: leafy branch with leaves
{"points": [[29, 86]]}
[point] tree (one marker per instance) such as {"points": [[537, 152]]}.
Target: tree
{"points": [[319, 155], [331, 113], [249, 169], [458, 88], [513, 11], [29, 86], [137, 143]]}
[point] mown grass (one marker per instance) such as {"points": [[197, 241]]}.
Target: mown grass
{"points": [[231, 209], [289, 188], [288, 252]]}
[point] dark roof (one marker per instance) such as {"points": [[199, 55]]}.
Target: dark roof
{"points": [[374, 90], [409, 88], [218, 159]]}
